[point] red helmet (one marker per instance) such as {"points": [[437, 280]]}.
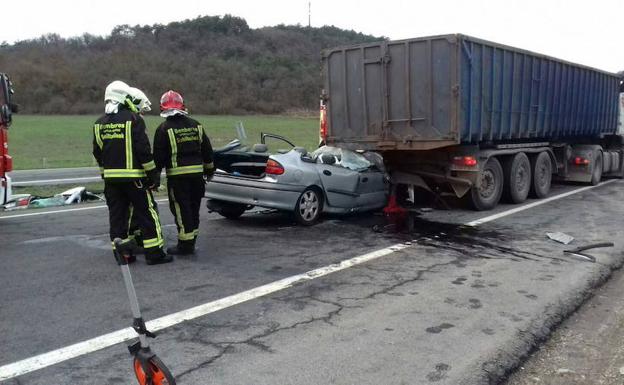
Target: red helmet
{"points": [[171, 100]]}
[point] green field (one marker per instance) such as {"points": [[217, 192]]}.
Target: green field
{"points": [[37, 141]]}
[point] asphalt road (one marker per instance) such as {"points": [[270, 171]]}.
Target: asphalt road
{"points": [[450, 305], [588, 348], [55, 176]]}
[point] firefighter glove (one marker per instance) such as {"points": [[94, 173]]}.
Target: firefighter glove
{"points": [[153, 179]]}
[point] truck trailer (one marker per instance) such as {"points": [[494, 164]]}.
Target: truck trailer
{"points": [[476, 119], [7, 108]]}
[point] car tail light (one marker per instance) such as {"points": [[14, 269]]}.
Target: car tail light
{"points": [[465, 161], [323, 123], [273, 167], [580, 161]]}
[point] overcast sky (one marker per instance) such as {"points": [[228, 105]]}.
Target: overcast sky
{"points": [[586, 32]]}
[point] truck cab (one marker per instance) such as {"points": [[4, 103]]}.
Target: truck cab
{"points": [[7, 109]]}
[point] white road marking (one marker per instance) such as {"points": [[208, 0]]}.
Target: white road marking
{"points": [[534, 204], [56, 356], [89, 346], [52, 181], [62, 211]]}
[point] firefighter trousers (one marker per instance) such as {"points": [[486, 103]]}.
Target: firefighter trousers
{"points": [[132, 200], [185, 194]]}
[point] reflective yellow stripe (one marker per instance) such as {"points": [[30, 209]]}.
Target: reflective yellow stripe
{"points": [[201, 133], [123, 173], [159, 238], [149, 166], [98, 139], [174, 148], [182, 234], [209, 166], [153, 242], [130, 212], [129, 145], [194, 169]]}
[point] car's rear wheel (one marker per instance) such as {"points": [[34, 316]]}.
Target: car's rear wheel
{"points": [[231, 210], [309, 206]]}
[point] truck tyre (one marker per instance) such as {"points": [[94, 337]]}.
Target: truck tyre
{"points": [[488, 194], [597, 171], [517, 178], [541, 166]]}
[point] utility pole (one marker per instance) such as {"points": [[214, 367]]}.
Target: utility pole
{"points": [[309, 14]]}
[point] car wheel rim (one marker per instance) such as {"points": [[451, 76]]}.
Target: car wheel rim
{"points": [[308, 205]]}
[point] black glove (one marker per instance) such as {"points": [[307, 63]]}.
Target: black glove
{"points": [[208, 174], [153, 179]]}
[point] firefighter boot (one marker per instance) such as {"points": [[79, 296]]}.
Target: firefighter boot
{"points": [[182, 248], [156, 256]]}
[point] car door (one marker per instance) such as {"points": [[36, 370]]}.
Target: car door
{"points": [[372, 188], [340, 185]]}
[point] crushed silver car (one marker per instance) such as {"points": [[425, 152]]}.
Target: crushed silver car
{"points": [[328, 180]]}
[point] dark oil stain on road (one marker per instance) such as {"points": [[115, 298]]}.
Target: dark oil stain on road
{"points": [[439, 373], [438, 329], [468, 241], [475, 303]]}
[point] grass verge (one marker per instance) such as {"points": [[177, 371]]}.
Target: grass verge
{"points": [[46, 141]]}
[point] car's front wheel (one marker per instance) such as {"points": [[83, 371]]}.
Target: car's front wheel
{"points": [[309, 207]]}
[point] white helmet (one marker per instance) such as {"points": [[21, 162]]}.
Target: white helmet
{"points": [[116, 91], [140, 100]]}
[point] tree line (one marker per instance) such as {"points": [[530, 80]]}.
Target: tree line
{"points": [[219, 64]]}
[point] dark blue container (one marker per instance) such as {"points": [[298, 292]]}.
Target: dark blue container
{"points": [[440, 91]]}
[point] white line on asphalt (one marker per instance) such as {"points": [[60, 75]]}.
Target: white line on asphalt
{"points": [[56, 356], [89, 346], [51, 181], [531, 205], [62, 211]]}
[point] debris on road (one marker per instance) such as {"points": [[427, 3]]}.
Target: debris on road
{"points": [[577, 252], [67, 197], [560, 237]]}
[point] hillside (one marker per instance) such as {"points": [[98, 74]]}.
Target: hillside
{"points": [[220, 65]]}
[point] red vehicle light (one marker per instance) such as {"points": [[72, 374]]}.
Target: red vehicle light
{"points": [[580, 161], [323, 123], [274, 168], [465, 161]]}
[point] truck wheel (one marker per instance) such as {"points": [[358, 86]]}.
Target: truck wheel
{"points": [[597, 172], [541, 166], [517, 178], [488, 194]]}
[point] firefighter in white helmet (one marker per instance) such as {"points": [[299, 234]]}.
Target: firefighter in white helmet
{"points": [[122, 150]]}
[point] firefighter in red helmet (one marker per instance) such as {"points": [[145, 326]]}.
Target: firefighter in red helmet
{"points": [[182, 147]]}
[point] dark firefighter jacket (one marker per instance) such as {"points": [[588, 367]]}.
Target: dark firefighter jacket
{"points": [[121, 146], [182, 147]]}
